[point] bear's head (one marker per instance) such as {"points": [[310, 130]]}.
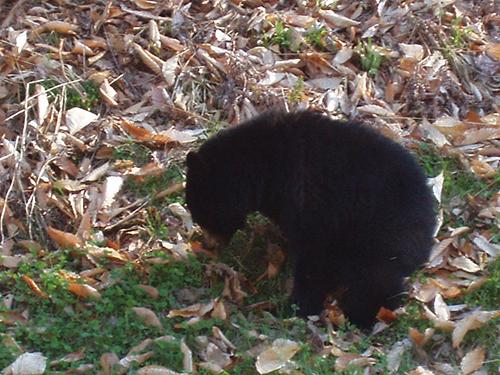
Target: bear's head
{"points": [[213, 198]]}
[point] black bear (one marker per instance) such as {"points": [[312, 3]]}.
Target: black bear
{"points": [[353, 205]]}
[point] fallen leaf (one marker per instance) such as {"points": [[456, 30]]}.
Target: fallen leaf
{"points": [[187, 361], [420, 371], [386, 315], [28, 364], [156, 370], [150, 290], [337, 20], [276, 356], [472, 361], [64, 239], [353, 360], [465, 264], [34, 286], [472, 321], [78, 118], [83, 290], [148, 316], [196, 310], [441, 308]]}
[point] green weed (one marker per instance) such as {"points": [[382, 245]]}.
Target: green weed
{"points": [[281, 36], [297, 93], [155, 224], [371, 60], [315, 37]]}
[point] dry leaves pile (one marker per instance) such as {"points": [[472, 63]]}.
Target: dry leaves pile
{"points": [[164, 70]]}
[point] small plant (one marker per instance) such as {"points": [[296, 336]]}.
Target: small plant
{"points": [[84, 95], [297, 93], [156, 225], [281, 36], [315, 37], [459, 33], [371, 59]]}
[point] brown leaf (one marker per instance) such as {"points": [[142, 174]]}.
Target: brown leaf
{"points": [[473, 321], [148, 316], [493, 49], [472, 361], [34, 287], [109, 361], [353, 360], [150, 290], [386, 315], [57, 26], [64, 239], [196, 310], [83, 290], [276, 356]]}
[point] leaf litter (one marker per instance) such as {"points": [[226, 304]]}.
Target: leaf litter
{"points": [[89, 89]]}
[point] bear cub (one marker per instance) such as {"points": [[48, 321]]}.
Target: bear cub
{"points": [[353, 205]]}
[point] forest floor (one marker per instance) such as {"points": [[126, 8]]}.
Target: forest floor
{"points": [[101, 268]]}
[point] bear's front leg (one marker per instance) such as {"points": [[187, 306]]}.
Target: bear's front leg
{"points": [[308, 292]]}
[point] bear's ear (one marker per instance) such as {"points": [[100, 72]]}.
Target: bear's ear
{"points": [[194, 162]]}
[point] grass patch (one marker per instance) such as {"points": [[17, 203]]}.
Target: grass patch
{"points": [[457, 181], [149, 186], [64, 324], [84, 94], [136, 152]]}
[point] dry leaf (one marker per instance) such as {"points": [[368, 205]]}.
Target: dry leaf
{"points": [[441, 308], [276, 356], [187, 361], [472, 361], [472, 321], [64, 239], [109, 362], [148, 316], [353, 360], [83, 290], [196, 310], [27, 364], [78, 118], [156, 370], [386, 315], [420, 371], [150, 290], [34, 286], [465, 264], [395, 355], [337, 20]]}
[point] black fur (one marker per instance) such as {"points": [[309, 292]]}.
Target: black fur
{"points": [[353, 204]]}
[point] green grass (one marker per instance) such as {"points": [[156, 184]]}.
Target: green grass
{"points": [[65, 323], [458, 182], [151, 185], [370, 59], [136, 152], [315, 37], [83, 94]]}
